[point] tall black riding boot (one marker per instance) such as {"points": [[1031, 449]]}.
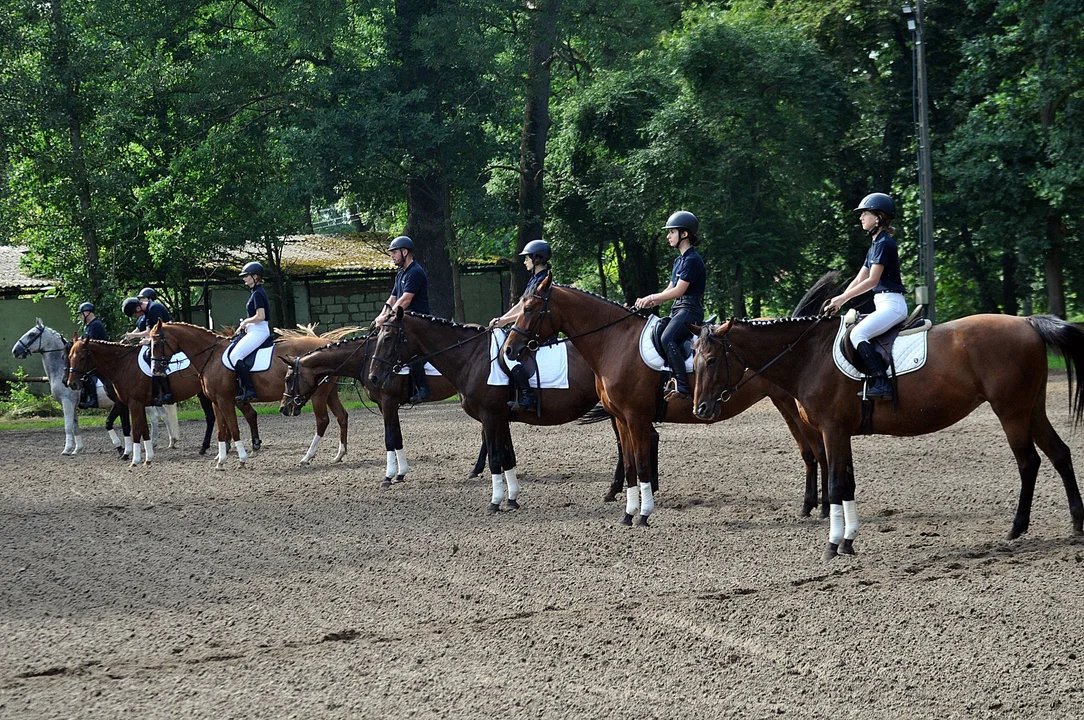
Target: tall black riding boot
{"points": [[421, 383], [88, 396], [161, 392], [527, 399], [680, 384], [244, 380], [877, 385]]}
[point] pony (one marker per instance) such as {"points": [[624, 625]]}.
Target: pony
{"points": [[205, 348], [461, 353], [997, 359], [607, 335], [53, 348], [119, 363]]}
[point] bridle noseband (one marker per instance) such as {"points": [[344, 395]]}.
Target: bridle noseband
{"points": [[534, 342]]}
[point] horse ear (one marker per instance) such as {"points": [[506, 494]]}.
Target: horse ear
{"points": [[694, 328], [288, 359], [724, 328], [545, 284], [40, 323], [398, 314]]}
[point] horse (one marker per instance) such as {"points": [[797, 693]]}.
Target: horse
{"points": [[607, 335], [461, 353], [119, 363], [53, 348], [997, 359], [349, 358], [205, 348]]}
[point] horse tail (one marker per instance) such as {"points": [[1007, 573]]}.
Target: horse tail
{"points": [[1068, 341], [596, 414]]}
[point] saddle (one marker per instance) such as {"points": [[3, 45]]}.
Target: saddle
{"points": [[248, 362], [883, 342], [656, 340]]}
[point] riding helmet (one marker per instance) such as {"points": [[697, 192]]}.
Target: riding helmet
{"points": [[878, 202], [683, 220], [401, 243], [130, 305], [252, 268], [148, 293], [86, 307], [540, 249]]}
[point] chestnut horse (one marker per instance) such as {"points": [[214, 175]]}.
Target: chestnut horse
{"points": [[608, 336], [205, 348], [307, 373], [119, 364], [462, 355], [997, 359]]}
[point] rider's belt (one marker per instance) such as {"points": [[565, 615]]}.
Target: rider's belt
{"points": [[693, 302]]}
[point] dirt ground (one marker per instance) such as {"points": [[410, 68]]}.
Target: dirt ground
{"points": [[279, 591]]}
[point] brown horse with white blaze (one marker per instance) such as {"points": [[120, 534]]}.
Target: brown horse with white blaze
{"points": [[997, 359], [205, 349], [607, 335]]}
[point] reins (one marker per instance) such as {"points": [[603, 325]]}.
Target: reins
{"points": [[728, 349]]}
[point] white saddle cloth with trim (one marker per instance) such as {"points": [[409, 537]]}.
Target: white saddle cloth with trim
{"points": [[552, 362], [178, 362], [650, 355], [262, 360], [429, 370], [908, 353]]}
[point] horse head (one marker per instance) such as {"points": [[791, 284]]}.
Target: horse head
{"points": [[300, 384], [393, 344], [713, 375], [80, 363], [535, 321]]}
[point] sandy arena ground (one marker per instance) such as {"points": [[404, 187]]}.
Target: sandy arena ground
{"points": [[278, 591]]}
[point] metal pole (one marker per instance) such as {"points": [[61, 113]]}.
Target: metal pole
{"points": [[924, 170]]}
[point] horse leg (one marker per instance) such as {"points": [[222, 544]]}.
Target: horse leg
{"points": [[1054, 448], [209, 417], [230, 411], [152, 424], [397, 466], [642, 446], [253, 427], [110, 421], [173, 425], [319, 411], [802, 433], [71, 428], [654, 459], [223, 433], [494, 444], [510, 478], [140, 433], [343, 418], [619, 471], [480, 464], [632, 489], [843, 510]]}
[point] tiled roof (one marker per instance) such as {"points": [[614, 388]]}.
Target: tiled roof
{"points": [[314, 254], [11, 276]]}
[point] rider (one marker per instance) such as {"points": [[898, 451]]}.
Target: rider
{"points": [[93, 330], [255, 326], [536, 256], [148, 311], [410, 291], [688, 279], [881, 274]]}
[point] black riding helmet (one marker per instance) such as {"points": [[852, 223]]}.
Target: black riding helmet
{"points": [[148, 293], [684, 220], [130, 305], [878, 202], [252, 268], [401, 243], [86, 307], [538, 249]]}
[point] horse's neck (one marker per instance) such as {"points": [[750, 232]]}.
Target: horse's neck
{"points": [[348, 358], [190, 339], [113, 360], [440, 343], [598, 327], [787, 351]]}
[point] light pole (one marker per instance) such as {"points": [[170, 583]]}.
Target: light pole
{"points": [[924, 294]]}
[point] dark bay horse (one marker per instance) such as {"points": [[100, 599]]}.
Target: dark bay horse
{"points": [[462, 355], [307, 373], [119, 363], [997, 359], [204, 348], [607, 335]]}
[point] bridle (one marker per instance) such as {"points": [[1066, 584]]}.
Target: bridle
{"points": [[401, 340], [28, 347], [160, 338], [729, 349], [534, 341], [294, 395]]}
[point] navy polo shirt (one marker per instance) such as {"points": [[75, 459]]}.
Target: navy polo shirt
{"points": [[690, 268], [258, 299], [95, 330], [413, 280], [884, 252]]}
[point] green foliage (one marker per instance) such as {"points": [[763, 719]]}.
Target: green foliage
{"points": [[21, 403]]}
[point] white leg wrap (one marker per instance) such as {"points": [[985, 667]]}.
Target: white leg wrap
{"points": [[632, 500], [850, 519], [127, 444], [647, 499], [498, 490], [137, 453], [400, 459], [389, 471], [114, 437], [312, 449], [513, 483], [835, 525], [150, 450], [239, 446], [223, 447]]}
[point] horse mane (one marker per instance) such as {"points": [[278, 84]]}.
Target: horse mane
{"points": [[445, 321], [197, 327], [766, 322], [814, 298], [596, 296], [304, 331], [340, 342]]}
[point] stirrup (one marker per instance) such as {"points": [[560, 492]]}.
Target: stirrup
{"points": [[672, 392], [420, 396]]}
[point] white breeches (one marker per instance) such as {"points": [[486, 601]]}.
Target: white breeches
{"points": [[254, 337], [891, 310]]}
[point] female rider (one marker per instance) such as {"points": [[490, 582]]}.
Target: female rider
{"points": [[255, 327]]}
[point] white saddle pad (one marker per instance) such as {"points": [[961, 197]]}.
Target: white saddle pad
{"points": [[178, 362], [650, 355], [908, 353], [552, 362], [262, 360], [429, 370]]}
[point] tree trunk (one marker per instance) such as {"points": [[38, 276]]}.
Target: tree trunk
{"points": [[1055, 284], [737, 293], [635, 266], [427, 227], [986, 283], [536, 128], [1010, 266]]}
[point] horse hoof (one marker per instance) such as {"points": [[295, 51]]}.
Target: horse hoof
{"points": [[399, 479], [304, 462], [641, 520], [493, 509], [830, 552], [847, 548], [511, 505], [203, 451], [386, 484], [240, 466], [120, 451], [609, 497], [256, 444], [472, 475], [65, 452], [627, 520]]}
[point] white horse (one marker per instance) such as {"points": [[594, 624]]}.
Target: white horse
{"points": [[53, 349]]}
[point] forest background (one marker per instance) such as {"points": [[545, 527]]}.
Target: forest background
{"points": [[142, 142]]}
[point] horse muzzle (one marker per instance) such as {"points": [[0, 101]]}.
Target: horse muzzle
{"points": [[706, 410]]}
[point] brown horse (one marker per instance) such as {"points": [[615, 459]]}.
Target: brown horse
{"points": [[997, 359], [608, 336], [462, 355], [307, 373], [205, 348], [119, 363]]}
